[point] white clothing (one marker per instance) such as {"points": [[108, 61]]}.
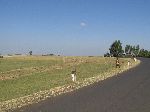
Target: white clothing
{"points": [[128, 63], [73, 77], [135, 59]]}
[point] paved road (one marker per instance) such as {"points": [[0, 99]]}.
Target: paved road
{"points": [[129, 92]]}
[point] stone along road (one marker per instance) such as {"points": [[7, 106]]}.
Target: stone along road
{"points": [[127, 92]]}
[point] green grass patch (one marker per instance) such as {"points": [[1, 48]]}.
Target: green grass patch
{"points": [[29, 84], [8, 64]]}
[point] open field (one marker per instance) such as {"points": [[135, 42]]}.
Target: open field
{"points": [[22, 76]]}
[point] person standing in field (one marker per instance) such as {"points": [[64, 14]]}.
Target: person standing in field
{"points": [[117, 63], [73, 74], [134, 59], [128, 63]]}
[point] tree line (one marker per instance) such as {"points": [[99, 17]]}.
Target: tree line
{"points": [[116, 50]]}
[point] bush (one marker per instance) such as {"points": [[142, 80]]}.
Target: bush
{"points": [[1, 56]]}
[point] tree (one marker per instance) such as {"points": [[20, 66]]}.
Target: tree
{"points": [[30, 52], [144, 53], [148, 54], [127, 49], [132, 50], [107, 55], [136, 50], [116, 48]]}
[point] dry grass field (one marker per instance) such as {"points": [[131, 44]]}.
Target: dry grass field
{"points": [[25, 75]]}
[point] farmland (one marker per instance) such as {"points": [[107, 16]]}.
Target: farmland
{"points": [[25, 75]]}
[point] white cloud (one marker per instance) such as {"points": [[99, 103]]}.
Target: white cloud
{"points": [[83, 24]]}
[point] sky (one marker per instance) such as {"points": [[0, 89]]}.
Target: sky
{"points": [[72, 27]]}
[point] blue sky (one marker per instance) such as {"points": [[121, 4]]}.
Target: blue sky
{"points": [[72, 27]]}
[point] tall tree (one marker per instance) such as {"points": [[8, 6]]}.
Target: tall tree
{"points": [[144, 53], [136, 50], [116, 48], [127, 49], [149, 54], [132, 50], [30, 53]]}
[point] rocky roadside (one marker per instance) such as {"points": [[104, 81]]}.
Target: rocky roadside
{"points": [[42, 95]]}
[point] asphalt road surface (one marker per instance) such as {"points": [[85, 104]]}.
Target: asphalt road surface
{"points": [[128, 92]]}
